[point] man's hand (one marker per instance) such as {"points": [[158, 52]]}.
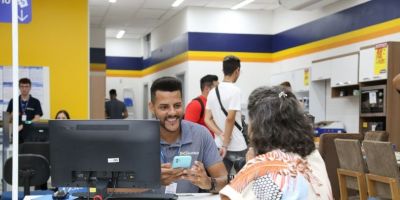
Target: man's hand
{"points": [[169, 175], [222, 151], [197, 175]]}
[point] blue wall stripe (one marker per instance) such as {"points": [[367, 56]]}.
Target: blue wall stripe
{"points": [[97, 55], [171, 49], [229, 42], [124, 63], [360, 16]]}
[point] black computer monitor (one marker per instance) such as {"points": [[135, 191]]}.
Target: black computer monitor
{"points": [[105, 153], [35, 132]]}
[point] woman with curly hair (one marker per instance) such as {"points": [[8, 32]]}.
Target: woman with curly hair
{"points": [[286, 164]]}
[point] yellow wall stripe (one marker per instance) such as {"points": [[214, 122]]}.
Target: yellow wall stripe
{"points": [[150, 70], [98, 67]]}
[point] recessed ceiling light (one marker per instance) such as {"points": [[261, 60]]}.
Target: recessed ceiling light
{"points": [[120, 34], [177, 3], [112, 1], [241, 4]]}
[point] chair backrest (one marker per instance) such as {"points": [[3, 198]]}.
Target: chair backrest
{"points": [[381, 161], [34, 170], [327, 150], [350, 158], [40, 148], [377, 136]]}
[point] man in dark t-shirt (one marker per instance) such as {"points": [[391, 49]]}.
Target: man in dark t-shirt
{"points": [[115, 109], [30, 109]]}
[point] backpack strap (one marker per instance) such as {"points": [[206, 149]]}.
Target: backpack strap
{"points": [[223, 109], [202, 106]]}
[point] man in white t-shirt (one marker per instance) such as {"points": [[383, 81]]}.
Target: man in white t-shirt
{"points": [[228, 137]]}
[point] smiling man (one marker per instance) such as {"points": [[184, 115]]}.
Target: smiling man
{"points": [[180, 137]]}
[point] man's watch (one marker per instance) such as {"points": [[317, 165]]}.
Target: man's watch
{"points": [[213, 184]]}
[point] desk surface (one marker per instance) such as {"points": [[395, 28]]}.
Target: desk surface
{"points": [[183, 196]]}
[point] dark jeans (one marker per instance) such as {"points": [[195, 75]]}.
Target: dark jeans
{"points": [[236, 159]]}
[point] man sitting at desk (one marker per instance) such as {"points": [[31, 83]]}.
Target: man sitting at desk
{"points": [[181, 137]]}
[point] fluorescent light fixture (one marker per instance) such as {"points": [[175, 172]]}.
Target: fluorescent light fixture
{"points": [[177, 3], [112, 1], [120, 34], [241, 4]]}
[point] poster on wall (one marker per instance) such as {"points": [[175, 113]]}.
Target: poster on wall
{"points": [[40, 86], [381, 59]]}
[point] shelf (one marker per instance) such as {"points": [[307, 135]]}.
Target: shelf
{"points": [[345, 91]]}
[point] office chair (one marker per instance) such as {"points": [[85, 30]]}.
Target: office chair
{"points": [[40, 148], [34, 170]]}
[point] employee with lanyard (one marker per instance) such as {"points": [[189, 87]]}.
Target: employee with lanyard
{"points": [[183, 138], [29, 107]]}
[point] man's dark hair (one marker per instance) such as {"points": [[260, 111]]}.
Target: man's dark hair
{"points": [[208, 81], [286, 84], [230, 64], [278, 122], [113, 92], [25, 81], [167, 83]]}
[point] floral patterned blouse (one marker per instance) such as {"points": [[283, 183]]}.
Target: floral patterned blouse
{"points": [[280, 175]]}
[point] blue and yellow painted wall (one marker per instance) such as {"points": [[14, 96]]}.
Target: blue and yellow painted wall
{"points": [[57, 37], [366, 21]]}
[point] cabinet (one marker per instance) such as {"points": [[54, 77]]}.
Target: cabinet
{"points": [[344, 70], [277, 79], [321, 70], [367, 70], [299, 79], [379, 64]]}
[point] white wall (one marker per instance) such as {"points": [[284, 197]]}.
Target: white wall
{"points": [[229, 21], [124, 47], [284, 19], [168, 31], [97, 37], [137, 84]]}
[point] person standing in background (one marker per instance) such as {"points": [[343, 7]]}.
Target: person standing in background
{"points": [[228, 136], [196, 108], [30, 109], [115, 109]]}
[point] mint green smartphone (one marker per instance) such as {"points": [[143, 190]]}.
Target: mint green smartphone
{"points": [[182, 162]]}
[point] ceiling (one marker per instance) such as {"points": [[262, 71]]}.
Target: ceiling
{"points": [[139, 17]]}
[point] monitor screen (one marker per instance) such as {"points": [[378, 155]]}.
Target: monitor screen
{"points": [[118, 153], [35, 132]]}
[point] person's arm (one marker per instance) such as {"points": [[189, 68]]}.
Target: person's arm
{"points": [[229, 126], [209, 120], [125, 113], [106, 110], [36, 118], [38, 112], [169, 175], [197, 175]]}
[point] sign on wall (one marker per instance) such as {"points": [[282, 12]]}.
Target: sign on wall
{"points": [[24, 11]]}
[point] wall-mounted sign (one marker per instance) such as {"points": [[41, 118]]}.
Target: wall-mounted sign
{"points": [[24, 11]]}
